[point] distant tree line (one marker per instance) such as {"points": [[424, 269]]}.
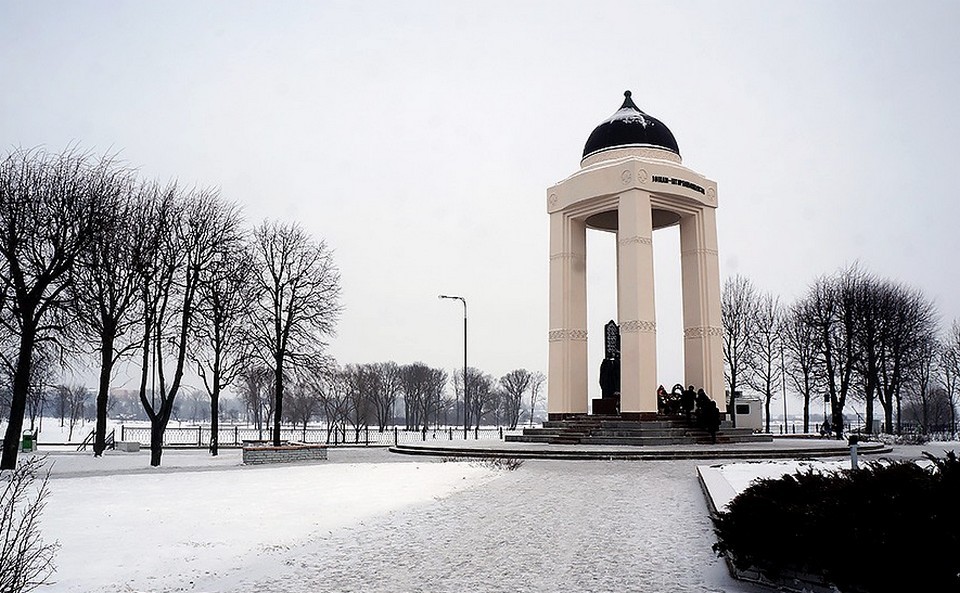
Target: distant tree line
{"points": [[853, 336], [359, 397]]}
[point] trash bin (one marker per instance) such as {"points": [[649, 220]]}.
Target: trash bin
{"points": [[29, 442]]}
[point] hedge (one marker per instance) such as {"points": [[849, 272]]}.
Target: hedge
{"points": [[886, 527]]}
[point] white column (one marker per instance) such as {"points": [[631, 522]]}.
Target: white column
{"points": [[636, 310], [567, 373], [702, 325]]}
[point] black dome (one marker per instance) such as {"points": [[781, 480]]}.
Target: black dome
{"points": [[630, 126]]}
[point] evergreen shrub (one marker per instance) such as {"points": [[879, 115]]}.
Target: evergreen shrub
{"points": [[885, 527]]}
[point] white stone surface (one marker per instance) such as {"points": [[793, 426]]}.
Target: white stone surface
{"points": [[621, 190]]}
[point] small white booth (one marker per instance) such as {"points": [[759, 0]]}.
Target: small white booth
{"points": [[749, 412]]}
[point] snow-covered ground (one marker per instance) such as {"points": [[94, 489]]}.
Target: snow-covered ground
{"points": [[124, 527], [368, 520]]}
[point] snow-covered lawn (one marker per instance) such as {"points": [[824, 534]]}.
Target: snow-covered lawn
{"points": [[125, 527], [368, 520]]}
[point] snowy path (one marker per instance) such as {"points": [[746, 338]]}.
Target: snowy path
{"points": [[549, 526]]}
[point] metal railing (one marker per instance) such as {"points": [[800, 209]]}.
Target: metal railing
{"points": [[236, 436]]}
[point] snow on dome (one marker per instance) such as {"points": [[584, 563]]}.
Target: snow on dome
{"points": [[630, 126]]}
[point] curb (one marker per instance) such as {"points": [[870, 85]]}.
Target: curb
{"points": [[599, 454]]}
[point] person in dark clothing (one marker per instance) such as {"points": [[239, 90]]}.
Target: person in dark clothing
{"points": [[826, 429], [712, 420], [702, 401], [688, 400]]}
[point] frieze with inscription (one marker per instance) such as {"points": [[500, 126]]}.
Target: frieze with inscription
{"points": [[680, 182]]}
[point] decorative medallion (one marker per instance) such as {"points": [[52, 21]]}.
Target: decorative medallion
{"points": [[626, 177], [711, 194], [553, 199], [642, 176]]}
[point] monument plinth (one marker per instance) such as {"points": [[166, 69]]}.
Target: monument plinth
{"points": [[632, 181]]}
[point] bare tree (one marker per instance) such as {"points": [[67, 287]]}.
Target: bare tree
{"points": [[191, 230], [61, 402], [436, 383], [832, 304], [331, 387], [49, 212], [387, 392], [256, 391], [192, 405], [106, 286], [26, 561], [298, 305], [928, 410], [221, 344], [872, 310], [362, 382], [479, 398], [536, 384], [419, 395], [41, 378], [74, 401], [738, 306], [764, 369], [798, 339], [303, 404], [481, 395], [515, 385], [926, 398], [909, 324], [950, 372]]}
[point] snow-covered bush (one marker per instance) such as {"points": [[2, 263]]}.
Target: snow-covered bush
{"points": [[494, 463], [502, 463], [26, 561], [907, 438], [860, 530]]}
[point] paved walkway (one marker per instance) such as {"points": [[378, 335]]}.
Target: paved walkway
{"points": [[548, 526]]}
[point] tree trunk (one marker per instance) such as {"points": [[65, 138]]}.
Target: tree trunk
{"points": [[837, 421], [899, 423], [157, 427], [215, 419], [106, 369], [18, 400], [278, 407], [766, 408]]}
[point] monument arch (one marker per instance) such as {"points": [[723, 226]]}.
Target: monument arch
{"points": [[631, 182]]}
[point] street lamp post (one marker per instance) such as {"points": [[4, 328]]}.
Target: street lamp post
{"points": [[466, 427]]}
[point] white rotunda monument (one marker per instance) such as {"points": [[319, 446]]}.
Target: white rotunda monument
{"points": [[632, 181]]}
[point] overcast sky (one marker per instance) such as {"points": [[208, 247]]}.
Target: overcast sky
{"points": [[418, 140]]}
